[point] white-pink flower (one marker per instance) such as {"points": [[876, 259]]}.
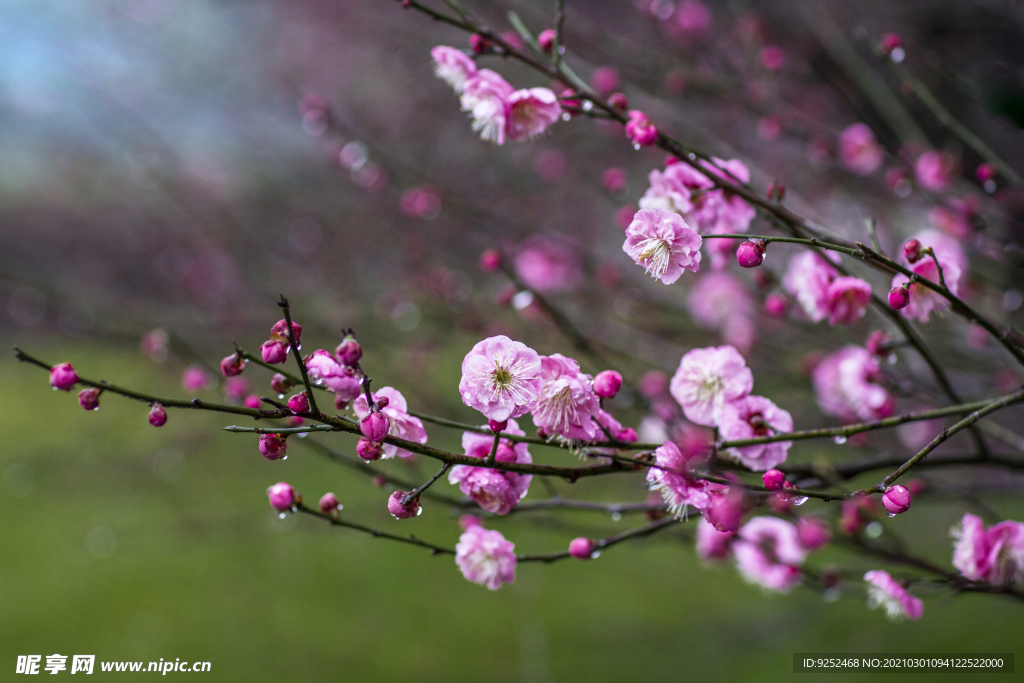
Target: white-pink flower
{"points": [[663, 244], [484, 96], [954, 264], [453, 66], [751, 417], [995, 555], [566, 404], [707, 379], [672, 188], [402, 424], [679, 490], [768, 553], [859, 151], [485, 557], [493, 490], [884, 591], [340, 379], [531, 112], [846, 385], [500, 378]]}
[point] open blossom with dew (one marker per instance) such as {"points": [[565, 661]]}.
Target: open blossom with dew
{"points": [[485, 96], [669, 478], [950, 256], [493, 490], [847, 299], [485, 557], [403, 425], [859, 151], [887, 593], [663, 244], [500, 378], [453, 66], [566, 404], [531, 112], [548, 263], [846, 386], [768, 553], [751, 417], [994, 555], [707, 379], [339, 379]]}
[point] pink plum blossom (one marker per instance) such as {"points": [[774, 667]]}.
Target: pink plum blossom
{"points": [[453, 66], [995, 555], [493, 490], [950, 256], [859, 151], [400, 509], [640, 130], [581, 548], [669, 478], [887, 593], [531, 112], [403, 425], [501, 378], [713, 544], [812, 533], [707, 379], [195, 378], [768, 553], [807, 279], [751, 417], [484, 96], [607, 383], [663, 244], [847, 299], [935, 170], [485, 557], [89, 398], [339, 379], [721, 301], [282, 496], [566, 404], [673, 188], [63, 377], [846, 385], [548, 264]]}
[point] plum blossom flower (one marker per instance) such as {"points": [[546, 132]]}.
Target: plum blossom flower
{"points": [[663, 244], [845, 383], [679, 490], [807, 279], [673, 188], [484, 96], [995, 555], [713, 544], [847, 299], [531, 112], [884, 591], [402, 424], [707, 379], [485, 557], [548, 263], [566, 404], [950, 256], [453, 66], [493, 490], [768, 553], [501, 378], [751, 417], [935, 170], [859, 151], [340, 379]]}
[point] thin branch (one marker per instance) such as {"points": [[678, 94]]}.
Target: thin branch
{"points": [[415, 493], [283, 303], [606, 543], [376, 533]]}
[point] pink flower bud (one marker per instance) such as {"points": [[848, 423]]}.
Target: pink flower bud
{"points": [[293, 421], [89, 398], [380, 481], [349, 350], [607, 384], [399, 511], [878, 342], [274, 352], [299, 403], [985, 172], [899, 297], [889, 42], [773, 480], [750, 254], [490, 260], [282, 496], [279, 332], [726, 510], [775, 305], [383, 402], [896, 500], [329, 504], [369, 450], [627, 435], [280, 384], [619, 101], [581, 548], [63, 377], [614, 179], [232, 365], [640, 130], [273, 446], [772, 57], [195, 378], [812, 533], [513, 39], [912, 251], [251, 401], [605, 79], [546, 40], [341, 402], [478, 44], [497, 425], [157, 415], [776, 190]]}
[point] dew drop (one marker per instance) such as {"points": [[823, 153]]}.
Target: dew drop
{"points": [[303, 435], [840, 439], [340, 506], [873, 530], [419, 512], [892, 359], [280, 395], [691, 156], [566, 116], [596, 554], [897, 55], [990, 186], [832, 594], [587, 105], [890, 514], [616, 516], [285, 457], [318, 382], [799, 500], [282, 516], [636, 146]]}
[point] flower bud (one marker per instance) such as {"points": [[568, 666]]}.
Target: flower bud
{"points": [[890, 42], [299, 403], [912, 251], [546, 40], [340, 402], [581, 548], [775, 305], [279, 332], [369, 450], [627, 435], [232, 365], [878, 342], [63, 377], [899, 297], [251, 401], [773, 480], [349, 351], [157, 415], [375, 426], [380, 481], [383, 402], [478, 44], [89, 398], [607, 384], [329, 504], [750, 254], [985, 172], [490, 260], [619, 101], [280, 384], [640, 130], [282, 496], [726, 510], [812, 533], [273, 446], [496, 426], [896, 500], [274, 352], [399, 511]]}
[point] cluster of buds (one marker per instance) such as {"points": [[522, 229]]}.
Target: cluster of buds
{"points": [[374, 427], [275, 349]]}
